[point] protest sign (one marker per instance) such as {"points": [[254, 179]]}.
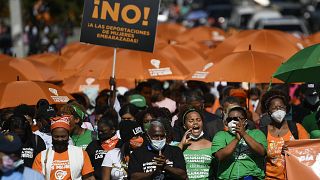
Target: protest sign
{"points": [[303, 159], [129, 24]]}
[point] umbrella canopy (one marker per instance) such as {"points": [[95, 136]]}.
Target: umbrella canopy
{"points": [[313, 39], [167, 62], [201, 33], [83, 83], [267, 41], [246, 66], [169, 31], [80, 58], [304, 66], [13, 69], [70, 49], [27, 92], [54, 61]]}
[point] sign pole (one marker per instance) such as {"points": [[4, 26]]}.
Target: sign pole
{"points": [[114, 66]]}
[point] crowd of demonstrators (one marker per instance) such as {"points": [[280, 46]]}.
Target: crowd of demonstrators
{"points": [[160, 132]]}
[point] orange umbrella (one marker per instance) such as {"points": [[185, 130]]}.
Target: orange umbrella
{"points": [[313, 39], [246, 66], [54, 61], [169, 31], [82, 83], [81, 58], [268, 41], [27, 92], [13, 69], [167, 62], [201, 33], [70, 49]]}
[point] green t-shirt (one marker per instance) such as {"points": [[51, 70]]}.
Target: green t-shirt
{"points": [[315, 134], [309, 122], [82, 140], [243, 162], [198, 163]]}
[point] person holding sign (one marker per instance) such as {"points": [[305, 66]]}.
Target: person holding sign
{"points": [[157, 160], [276, 104]]}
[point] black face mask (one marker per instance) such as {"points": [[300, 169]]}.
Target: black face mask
{"points": [[105, 136], [60, 146]]}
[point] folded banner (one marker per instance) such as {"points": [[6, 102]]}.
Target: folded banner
{"points": [[303, 159]]}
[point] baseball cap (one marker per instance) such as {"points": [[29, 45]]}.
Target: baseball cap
{"points": [[10, 143], [45, 112], [137, 100], [311, 89], [129, 129]]}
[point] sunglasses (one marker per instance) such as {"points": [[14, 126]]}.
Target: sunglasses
{"points": [[229, 119]]}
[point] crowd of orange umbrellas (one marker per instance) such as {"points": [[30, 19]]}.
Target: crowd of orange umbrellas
{"points": [[203, 53]]}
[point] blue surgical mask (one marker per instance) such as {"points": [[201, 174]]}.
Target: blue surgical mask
{"points": [[158, 144]]}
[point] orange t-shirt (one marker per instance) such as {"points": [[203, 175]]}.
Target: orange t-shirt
{"points": [[61, 166], [275, 165]]}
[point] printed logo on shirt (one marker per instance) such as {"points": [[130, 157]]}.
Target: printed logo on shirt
{"points": [[242, 151], [99, 154], [151, 166], [60, 174], [27, 153]]}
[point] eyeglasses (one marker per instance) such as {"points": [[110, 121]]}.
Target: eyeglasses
{"points": [[229, 119]]}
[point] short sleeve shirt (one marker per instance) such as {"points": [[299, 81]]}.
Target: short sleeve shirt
{"points": [[243, 162], [60, 168], [96, 154], [141, 159], [113, 159]]}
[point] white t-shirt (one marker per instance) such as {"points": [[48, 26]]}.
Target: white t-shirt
{"points": [[113, 159], [47, 138]]}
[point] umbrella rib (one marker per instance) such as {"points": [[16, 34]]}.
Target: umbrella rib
{"points": [[253, 65]]}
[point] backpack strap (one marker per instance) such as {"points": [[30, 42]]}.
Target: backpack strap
{"points": [[293, 129], [264, 129]]}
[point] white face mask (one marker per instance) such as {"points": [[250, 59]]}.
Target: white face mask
{"points": [[278, 115], [232, 126], [158, 144], [198, 137]]}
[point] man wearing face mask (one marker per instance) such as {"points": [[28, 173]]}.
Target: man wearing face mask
{"points": [[157, 160], [63, 161], [309, 98], [310, 121], [11, 166], [275, 103]]}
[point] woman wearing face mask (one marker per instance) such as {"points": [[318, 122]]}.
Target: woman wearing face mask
{"points": [[115, 163], [278, 131], [240, 151], [108, 139], [196, 149], [63, 161]]}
